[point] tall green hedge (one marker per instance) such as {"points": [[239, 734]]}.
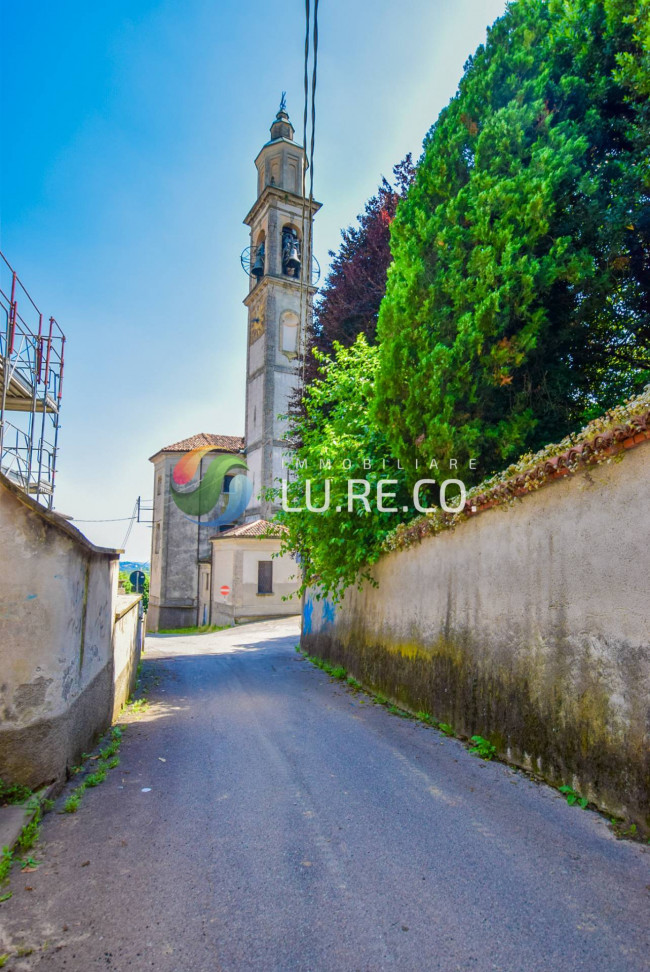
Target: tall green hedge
{"points": [[517, 305]]}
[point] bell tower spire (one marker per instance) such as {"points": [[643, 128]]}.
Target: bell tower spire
{"points": [[279, 302]]}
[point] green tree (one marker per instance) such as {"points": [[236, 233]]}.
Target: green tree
{"points": [[338, 443], [517, 305]]}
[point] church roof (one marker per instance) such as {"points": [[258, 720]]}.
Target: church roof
{"points": [[223, 443], [256, 528]]}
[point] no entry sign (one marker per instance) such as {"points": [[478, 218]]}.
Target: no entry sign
{"points": [[225, 590]]}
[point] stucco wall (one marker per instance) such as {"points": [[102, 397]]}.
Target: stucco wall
{"points": [[234, 563], [529, 625], [57, 609], [127, 647]]}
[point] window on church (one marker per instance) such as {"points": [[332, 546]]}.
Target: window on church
{"points": [[159, 486], [265, 577], [157, 539]]}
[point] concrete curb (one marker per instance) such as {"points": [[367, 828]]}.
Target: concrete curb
{"points": [[15, 816]]}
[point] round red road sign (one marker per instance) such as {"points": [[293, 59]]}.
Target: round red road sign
{"points": [[225, 590]]}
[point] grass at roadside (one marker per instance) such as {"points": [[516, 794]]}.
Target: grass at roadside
{"points": [[196, 629], [106, 759], [477, 745]]}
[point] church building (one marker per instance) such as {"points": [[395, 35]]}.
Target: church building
{"points": [[206, 574]]}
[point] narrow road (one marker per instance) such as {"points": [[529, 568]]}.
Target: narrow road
{"points": [[265, 818]]}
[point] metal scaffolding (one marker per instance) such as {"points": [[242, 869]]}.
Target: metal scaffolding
{"points": [[31, 378]]}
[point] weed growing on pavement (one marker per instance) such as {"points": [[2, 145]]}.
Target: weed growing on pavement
{"points": [[4, 959], [622, 830], [446, 728], [335, 671], [354, 684], [107, 751], [93, 779], [573, 798], [71, 805], [483, 748], [30, 832], [14, 792], [6, 859]]}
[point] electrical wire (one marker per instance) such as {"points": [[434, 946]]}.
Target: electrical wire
{"points": [[130, 527], [313, 108], [307, 225], [115, 519], [305, 269]]}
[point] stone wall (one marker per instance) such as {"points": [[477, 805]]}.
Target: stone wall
{"points": [[64, 667], [528, 625]]}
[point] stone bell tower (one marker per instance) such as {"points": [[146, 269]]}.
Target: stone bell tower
{"points": [[279, 303]]}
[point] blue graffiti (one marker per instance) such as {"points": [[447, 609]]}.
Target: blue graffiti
{"points": [[307, 615], [329, 612]]}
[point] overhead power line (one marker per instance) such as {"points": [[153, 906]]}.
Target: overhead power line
{"points": [[311, 48]]}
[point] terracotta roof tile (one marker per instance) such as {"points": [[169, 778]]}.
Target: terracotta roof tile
{"points": [[625, 435], [608, 436], [224, 443], [256, 528]]}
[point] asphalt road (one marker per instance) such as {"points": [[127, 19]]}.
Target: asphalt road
{"points": [[265, 818]]}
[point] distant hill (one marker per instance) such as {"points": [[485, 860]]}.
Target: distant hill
{"points": [[129, 565]]}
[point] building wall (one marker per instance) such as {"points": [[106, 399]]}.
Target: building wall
{"points": [[528, 625], [205, 593], [57, 655], [234, 563], [177, 547]]}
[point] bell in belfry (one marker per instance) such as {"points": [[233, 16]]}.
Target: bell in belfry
{"points": [[290, 253], [257, 269], [293, 260]]}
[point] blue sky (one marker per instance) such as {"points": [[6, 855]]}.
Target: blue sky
{"points": [[129, 131]]}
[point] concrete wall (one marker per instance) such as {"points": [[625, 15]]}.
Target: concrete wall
{"points": [[177, 546], [127, 647], [57, 671], [529, 625], [234, 563]]}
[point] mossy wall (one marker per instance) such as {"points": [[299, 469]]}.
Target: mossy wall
{"points": [[528, 625]]}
